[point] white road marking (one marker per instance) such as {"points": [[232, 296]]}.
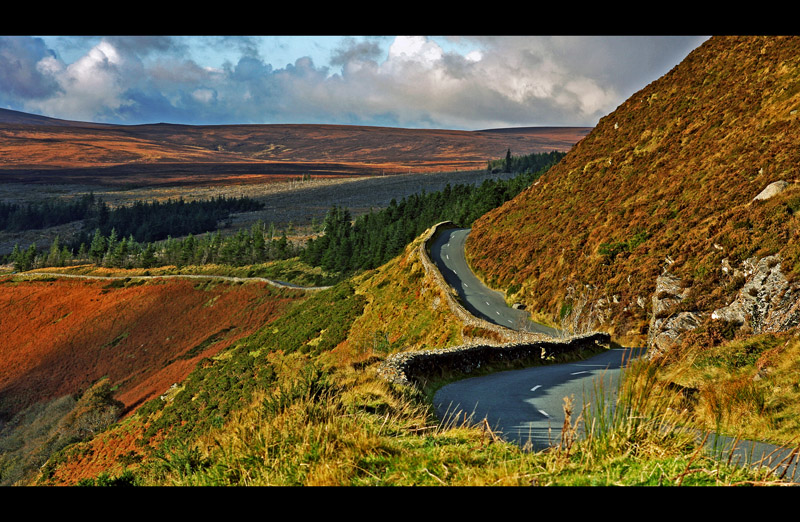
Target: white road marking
{"points": [[447, 256], [487, 303], [578, 373], [544, 413], [536, 387], [466, 285], [498, 313]]}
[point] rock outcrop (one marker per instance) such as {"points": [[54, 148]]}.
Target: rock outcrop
{"points": [[668, 320], [767, 302], [773, 189]]}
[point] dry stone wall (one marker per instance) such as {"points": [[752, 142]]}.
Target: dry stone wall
{"points": [[414, 368]]}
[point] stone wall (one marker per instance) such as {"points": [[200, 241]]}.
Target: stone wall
{"points": [[413, 368]]}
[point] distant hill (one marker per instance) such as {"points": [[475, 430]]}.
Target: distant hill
{"points": [[648, 228], [10, 117], [36, 148]]}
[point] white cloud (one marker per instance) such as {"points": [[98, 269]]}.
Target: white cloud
{"points": [[411, 81], [203, 95], [416, 49], [474, 56], [591, 98], [89, 86]]}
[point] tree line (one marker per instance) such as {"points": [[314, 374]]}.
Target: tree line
{"points": [[141, 235], [373, 239], [146, 221], [524, 163], [257, 244], [15, 217]]}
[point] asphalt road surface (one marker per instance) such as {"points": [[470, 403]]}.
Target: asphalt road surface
{"points": [[521, 405], [527, 406], [447, 251]]}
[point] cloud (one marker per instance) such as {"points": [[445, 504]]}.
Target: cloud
{"points": [[411, 81], [87, 87], [20, 78], [353, 51]]}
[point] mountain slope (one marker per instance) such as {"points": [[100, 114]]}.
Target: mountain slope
{"points": [[301, 402], [652, 215], [61, 337]]}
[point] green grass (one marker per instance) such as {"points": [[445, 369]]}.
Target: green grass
{"points": [[743, 387], [320, 423]]}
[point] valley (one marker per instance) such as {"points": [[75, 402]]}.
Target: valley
{"points": [[296, 203], [174, 361]]}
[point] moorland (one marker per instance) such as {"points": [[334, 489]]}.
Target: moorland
{"points": [[654, 227]]}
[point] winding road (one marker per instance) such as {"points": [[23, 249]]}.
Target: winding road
{"points": [[447, 252], [527, 406]]}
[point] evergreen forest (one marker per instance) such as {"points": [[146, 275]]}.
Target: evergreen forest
{"points": [[145, 235]]}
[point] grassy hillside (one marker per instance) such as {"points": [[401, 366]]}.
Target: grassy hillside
{"points": [[654, 228], [299, 402], [61, 337], [665, 182]]}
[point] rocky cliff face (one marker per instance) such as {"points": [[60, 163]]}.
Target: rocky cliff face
{"points": [[767, 302]]}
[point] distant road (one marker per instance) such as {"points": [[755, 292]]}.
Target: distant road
{"points": [[273, 282], [447, 251]]}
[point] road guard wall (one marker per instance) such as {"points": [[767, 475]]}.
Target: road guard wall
{"points": [[417, 367]]}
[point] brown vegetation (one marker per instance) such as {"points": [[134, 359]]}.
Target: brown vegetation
{"points": [[665, 180], [60, 335], [35, 149]]}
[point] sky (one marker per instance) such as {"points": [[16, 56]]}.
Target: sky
{"points": [[442, 82]]}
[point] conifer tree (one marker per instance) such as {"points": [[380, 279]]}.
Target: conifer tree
{"points": [[97, 248]]}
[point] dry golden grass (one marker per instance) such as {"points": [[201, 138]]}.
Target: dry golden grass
{"points": [[746, 387]]}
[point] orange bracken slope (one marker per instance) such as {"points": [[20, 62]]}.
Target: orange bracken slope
{"points": [[61, 335]]}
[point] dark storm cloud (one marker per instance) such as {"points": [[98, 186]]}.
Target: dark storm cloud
{"points": [[20, 79]]}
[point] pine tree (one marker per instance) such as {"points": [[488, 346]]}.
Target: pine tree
{"points": [[53, 256], [148, 257], [97, 248], [17, 258]]}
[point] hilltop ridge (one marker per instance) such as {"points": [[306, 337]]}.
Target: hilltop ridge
{"points": [[36, 148]]}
